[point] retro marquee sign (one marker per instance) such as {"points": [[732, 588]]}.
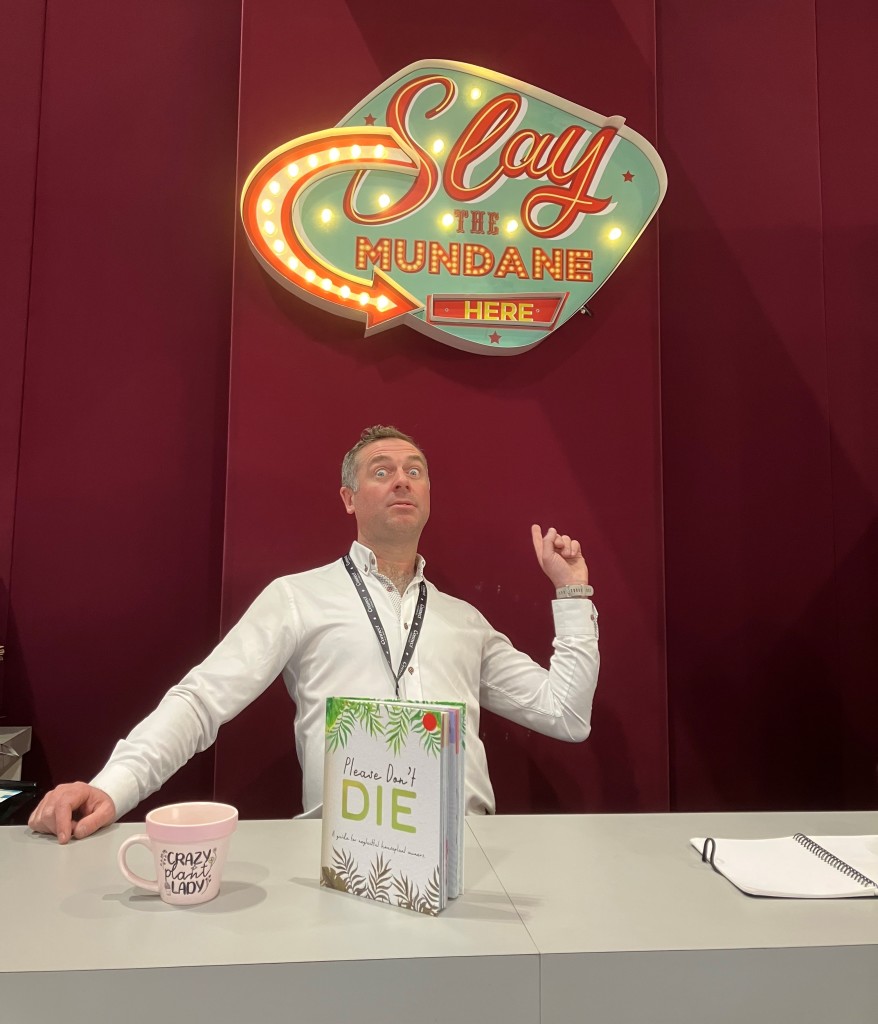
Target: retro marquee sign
{"points": [[477, 209]]}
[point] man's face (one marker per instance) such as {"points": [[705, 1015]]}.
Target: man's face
{"points": [[392, 500]]}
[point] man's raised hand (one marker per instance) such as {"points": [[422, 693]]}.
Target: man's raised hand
{"points": [[560, 556]]}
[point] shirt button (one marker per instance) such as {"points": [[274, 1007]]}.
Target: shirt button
{"points": [[411, 670], [405, 625], [390, 590]]}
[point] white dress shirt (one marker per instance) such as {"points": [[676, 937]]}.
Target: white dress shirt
{"points": [[313, 628]]}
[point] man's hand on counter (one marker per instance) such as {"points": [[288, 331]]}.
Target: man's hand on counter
{"points": [[74, 809]]}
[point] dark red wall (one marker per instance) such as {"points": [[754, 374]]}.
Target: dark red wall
{"points": [[847, 40], [20, 80], [768, 355], [710, 434], [116, 559]]}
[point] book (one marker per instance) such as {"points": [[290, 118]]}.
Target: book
{"points": [[798, 866], [393, 801]]}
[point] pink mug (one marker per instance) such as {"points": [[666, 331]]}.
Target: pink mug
{"points": [[189, 843]]}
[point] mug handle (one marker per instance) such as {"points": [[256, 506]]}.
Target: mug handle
{"points": [[151, 885]]}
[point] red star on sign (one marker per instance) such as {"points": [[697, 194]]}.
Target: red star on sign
{"points": [[628, 176], [494, 338], [369, 119]]}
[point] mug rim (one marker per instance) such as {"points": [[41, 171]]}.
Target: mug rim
{"points": [[226, 814]]}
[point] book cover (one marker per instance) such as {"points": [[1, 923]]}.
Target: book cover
{"points": [[386, 805]]}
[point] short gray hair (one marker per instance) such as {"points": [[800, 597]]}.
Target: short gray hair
{"points": [[370, 434]]}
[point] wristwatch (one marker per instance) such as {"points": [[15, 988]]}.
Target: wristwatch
{"points": [[574, 590]]}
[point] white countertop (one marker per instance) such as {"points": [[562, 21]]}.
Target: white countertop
{"points": [[609, 883], [70, 908], [613, 913]]}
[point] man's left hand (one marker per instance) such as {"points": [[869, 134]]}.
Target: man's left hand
{"points": [[560, 556]]}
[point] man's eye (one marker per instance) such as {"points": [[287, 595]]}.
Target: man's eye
{"points": [[380, 472], [414, 472]]}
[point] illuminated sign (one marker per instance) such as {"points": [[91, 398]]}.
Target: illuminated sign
{"points": [[475, 208]]}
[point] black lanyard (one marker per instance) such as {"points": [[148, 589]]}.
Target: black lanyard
{"points": [[374, 618]]}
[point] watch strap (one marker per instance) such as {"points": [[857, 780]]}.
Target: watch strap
{"points": [[574, 590]]}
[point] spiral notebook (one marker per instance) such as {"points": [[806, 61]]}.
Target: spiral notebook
{"points": [[796, 867]]}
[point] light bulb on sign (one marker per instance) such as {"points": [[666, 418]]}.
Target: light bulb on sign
{"points": [[274, 187], [384, 200], [614, 233], [326, 215], [447, 220]]}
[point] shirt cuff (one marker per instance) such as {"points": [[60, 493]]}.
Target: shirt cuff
{"points": [[120, 786], [575, 616]]}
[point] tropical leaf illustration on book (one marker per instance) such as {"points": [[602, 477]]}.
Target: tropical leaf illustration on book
{"points": [[380, 880], [343, 875], [397, 729], [369, 716], [382, 884], [334, 707], [409, 896], [427, 727], [344, 714], [432, 891]]}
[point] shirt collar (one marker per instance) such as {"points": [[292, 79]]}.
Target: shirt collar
{"points": [[365, 561]]}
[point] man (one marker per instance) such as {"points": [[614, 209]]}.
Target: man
{"points": [[367, 625]]}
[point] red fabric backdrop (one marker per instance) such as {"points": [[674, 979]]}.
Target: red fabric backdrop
{"points": [[770, 466], [20, 81], [116, 557]]}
